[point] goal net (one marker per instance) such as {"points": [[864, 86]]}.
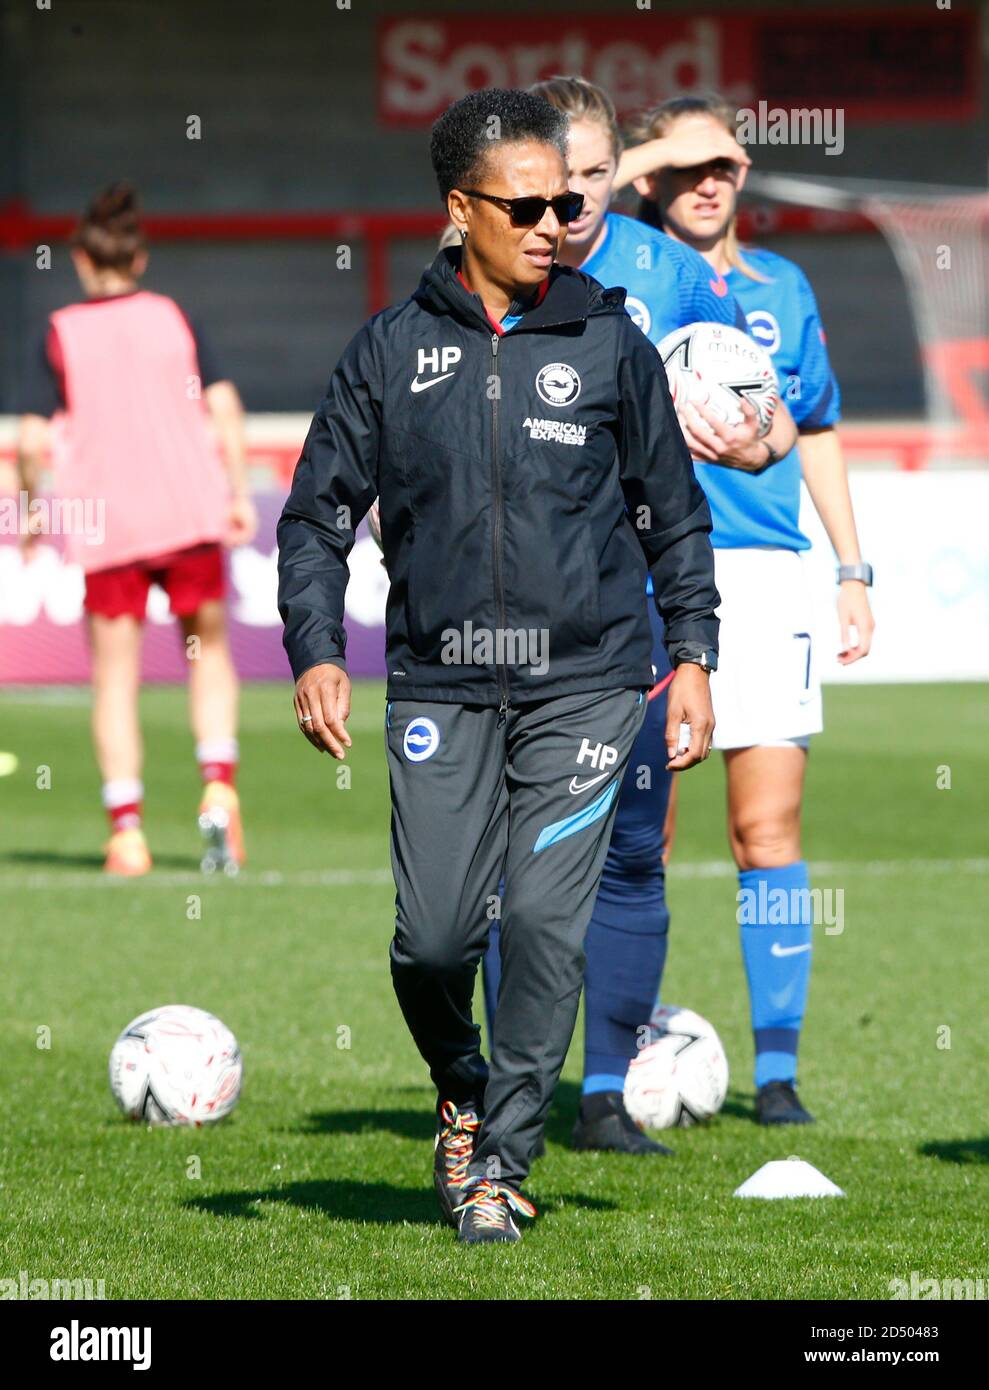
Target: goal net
{"points": [[939, 237]]}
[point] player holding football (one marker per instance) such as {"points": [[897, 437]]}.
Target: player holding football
{"points": [[668, 285], [766, 692], [135, 381]]}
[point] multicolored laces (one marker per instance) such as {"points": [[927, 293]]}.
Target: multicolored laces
{"points": [[490, 1199]]}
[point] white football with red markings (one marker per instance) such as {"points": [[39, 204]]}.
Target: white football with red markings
{"points": [[720, 366], [680, 1075], [176, 1065]]}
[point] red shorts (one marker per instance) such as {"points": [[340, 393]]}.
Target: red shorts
{"points": [[189, 577]]}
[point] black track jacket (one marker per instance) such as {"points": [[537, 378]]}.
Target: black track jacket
{"points": [[526, 482]]}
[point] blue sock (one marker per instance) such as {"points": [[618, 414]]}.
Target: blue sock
{"points": [[625, 948], [775, 918]]}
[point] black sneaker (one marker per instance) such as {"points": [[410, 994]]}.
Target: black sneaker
{"points": [[777, 1104], [486, 1212], [456, 1132], [604, 1124]]}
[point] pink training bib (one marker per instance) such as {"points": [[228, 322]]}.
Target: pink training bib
{"points": [[136, 444]]}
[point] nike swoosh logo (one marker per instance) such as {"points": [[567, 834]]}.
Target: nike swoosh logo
{"points": [[576, 786], [418, 385], [778, 1002], [719, 286], [777, 950]]}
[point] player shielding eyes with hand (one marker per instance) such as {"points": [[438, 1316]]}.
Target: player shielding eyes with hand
{"points": [[766, 692]]}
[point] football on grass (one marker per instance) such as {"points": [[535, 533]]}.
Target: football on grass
{"points": [[720, 366], [680, 1075], [176, 1066]]}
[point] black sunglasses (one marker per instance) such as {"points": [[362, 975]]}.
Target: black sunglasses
{"points": [[526, 211]]}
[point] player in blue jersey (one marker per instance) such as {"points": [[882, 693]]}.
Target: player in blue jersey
{"points": [[667, 286], [766, 694]]}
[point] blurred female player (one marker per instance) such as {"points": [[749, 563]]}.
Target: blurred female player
{"points": [[766, 694], [668, 285], [137, 383]]}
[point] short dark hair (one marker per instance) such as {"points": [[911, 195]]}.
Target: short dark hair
{"points": [[461, 137]]}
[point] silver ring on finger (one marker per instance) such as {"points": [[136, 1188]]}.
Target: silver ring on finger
{"points": [[306, 719]]}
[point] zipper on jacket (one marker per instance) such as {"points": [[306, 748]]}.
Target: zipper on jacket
{"points": [[497, 529]]}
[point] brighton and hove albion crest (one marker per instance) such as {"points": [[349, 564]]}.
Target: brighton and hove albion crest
{"points": [[422, 738], [557, 384]]}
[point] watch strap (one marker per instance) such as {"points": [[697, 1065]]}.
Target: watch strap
{"points": [[862, 572], [695, 653]]}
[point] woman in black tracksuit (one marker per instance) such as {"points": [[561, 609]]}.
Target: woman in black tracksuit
{"points": [[517, 429]]}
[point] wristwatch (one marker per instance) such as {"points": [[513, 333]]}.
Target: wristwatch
{"points": [[706, 658], [861, 572], [771, 455]]}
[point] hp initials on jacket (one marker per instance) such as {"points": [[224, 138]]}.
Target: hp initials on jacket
{"points": [[438, 361]]}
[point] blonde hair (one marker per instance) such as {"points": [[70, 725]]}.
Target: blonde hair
{"points": [[657, 122], [582, 101]]}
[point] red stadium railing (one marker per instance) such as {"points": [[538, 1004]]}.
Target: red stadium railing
{"points": [[23, 229], [908, 445]]}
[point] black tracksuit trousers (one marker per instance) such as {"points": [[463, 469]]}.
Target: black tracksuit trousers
{"points": [[528, 795]]}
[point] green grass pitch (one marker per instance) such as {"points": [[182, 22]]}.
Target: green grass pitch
{"points": [[318, 1186]]}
